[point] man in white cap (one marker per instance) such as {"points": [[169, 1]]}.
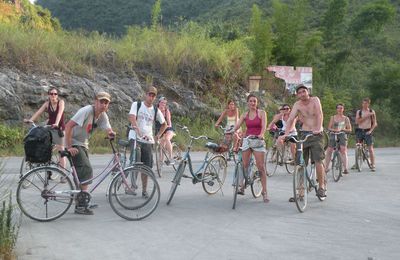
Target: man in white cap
{"points": [[77, 133]]}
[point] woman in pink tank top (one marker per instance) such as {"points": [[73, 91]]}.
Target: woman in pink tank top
{"points": [[256, 122], [55, 109]]}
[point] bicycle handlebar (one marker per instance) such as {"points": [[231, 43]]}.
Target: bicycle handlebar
{"points": [[228, 129], [294, 139], [191, 136]]}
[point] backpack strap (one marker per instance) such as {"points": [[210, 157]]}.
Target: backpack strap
{"points": [[94, 114]]}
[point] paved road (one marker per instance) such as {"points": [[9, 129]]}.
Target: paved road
{"points": [[359, 220]]}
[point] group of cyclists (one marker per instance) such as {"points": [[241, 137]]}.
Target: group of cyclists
{"points": [[151, 122]]}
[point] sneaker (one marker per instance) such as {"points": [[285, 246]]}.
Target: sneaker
{"points": [[291, 199], [130, 191], [169, 162], [346, 172], [321, 193], [83, 211], [63, 179], [50, 175], [372, 168], [354, 167], [145, 195], [93, 206]]}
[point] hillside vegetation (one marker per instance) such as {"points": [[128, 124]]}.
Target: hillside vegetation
{"points": [[351, 45]]}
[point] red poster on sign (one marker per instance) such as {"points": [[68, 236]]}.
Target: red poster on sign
{"points": [[293, 76]]}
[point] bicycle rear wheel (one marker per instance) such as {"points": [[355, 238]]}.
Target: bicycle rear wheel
{"points": [[176, 181], [336, 166], [236, 176], [123, 193], [159, 161], [44, 199], [366, 158], [273, 157], [288, 160], [300, 192], [214, 174]]}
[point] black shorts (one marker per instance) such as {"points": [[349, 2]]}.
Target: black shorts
{"points": [[145, 154]]}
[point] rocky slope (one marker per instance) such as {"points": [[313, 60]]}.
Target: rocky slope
{"points": [[22, 94]]}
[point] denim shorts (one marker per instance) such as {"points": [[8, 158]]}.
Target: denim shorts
{"points": [[361, 135]]}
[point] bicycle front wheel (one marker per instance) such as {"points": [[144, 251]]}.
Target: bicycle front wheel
{"points": [[300, 192], [336, 166], [256, 186], [124, 193], [176, 181], [367, 158], [176, 155], [235, 184], [289, 160], [42, 198], [214, 174]]}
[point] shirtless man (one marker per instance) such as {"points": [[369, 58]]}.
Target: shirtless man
{"points": [[366, 121], [309, 109]]}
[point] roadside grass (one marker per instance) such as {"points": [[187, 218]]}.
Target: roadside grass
{"points": [[9, 219]]}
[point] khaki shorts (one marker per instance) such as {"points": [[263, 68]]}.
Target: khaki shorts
{"points": [[315, 146], [341, 137], [82, 164]]}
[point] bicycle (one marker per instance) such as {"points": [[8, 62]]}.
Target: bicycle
{"points": [[362, 155], [27, 166], [212, 171], [46, 199], [280, 156], [337, 164], [229, 154], [251, 176], [304, 177], [162, 153]]}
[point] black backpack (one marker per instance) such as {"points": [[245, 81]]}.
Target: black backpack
{"points": [[38, 145]]}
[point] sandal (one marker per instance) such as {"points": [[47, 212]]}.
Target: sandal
{"points": [[291, 199], [265, 198], [241, 191]]}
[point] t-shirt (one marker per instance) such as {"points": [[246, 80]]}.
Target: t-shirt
{"points": [[84, 119], [145, 122]]}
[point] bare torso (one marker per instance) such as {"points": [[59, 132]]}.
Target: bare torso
{"points": [[367, 120], [310, 111]]}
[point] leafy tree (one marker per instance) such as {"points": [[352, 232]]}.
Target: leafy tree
{"points": [[288, 25], [261, 42], [372, 18], [156, 14], [334, 22]]}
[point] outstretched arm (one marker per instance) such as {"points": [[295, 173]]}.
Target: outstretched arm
{"points": [[221, 117]]}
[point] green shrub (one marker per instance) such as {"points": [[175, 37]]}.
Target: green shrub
{"points": [[10, 136]]}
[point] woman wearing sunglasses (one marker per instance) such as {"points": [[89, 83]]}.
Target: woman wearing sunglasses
{"points": [[55, 110]]}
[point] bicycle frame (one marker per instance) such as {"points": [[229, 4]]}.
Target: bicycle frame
{"points": [[113, 164], [187, 160]]}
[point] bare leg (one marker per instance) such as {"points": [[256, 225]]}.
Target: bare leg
{"points": [[328, 157], [246, 162], [372, 154], [259, 156], [343, 153], [319, 167]]}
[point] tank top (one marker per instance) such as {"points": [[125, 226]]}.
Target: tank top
{"points": [[53, 115], [294, 132], [230, 120], [253, 125], [339, 125]]}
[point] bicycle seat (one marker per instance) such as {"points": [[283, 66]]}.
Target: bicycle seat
{"points": [[211, 145], [124, 143]]}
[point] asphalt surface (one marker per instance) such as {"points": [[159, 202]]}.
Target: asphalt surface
{"points": [[360, 219]]}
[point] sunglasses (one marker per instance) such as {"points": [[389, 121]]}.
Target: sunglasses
{"points": [[284, 108], [104, 101], [53, 94]]}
